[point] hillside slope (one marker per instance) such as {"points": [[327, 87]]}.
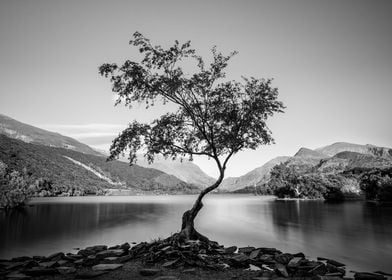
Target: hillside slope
{"points": [[63, 168], [256, 176], [31, 134]]}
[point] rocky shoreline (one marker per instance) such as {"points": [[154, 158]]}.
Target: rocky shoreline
{"points": [[170, 260]]}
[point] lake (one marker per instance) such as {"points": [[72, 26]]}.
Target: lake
{"points": [[356, 233]]}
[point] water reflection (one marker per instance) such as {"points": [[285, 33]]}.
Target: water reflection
{"points": [[357, 233]]}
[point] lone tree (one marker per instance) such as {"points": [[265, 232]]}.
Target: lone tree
{"points": [[214, 117]]}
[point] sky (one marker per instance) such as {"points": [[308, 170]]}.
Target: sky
{"points": [[331, 61]]}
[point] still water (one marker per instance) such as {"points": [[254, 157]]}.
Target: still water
{"points": [[356, 233]]}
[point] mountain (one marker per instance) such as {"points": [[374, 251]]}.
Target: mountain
{"points": [[186, 171], [332, 159], [349, 172], [256, 176], [347, 160], [70, 171], [31, 134], [308, 153], [368, 149]]}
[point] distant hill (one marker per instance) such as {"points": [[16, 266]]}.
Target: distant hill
{"points": [[368, 149], [345, 161], [31, 134], [186, 171], [308, 153], [332, 159], [256, 176], [346, 175], [69, 169]]}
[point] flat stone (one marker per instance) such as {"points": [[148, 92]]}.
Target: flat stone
{"points": [[269, 251], [189, 271], [253, 267], [86, 252], [283, 258], [294, 262], [107, 266], [110, 260], [124, 259], [246, 250], [110, 253], [170, 263], [17, 275], [97, 248], [230, 250], [239, 261], [281, 269], [125, 246], [13, 265], [62, 262], [48, 264], [71, 256], [56, 256], [333, 269], [79, 262], [254, 254], [300, 255], [240, 258], [66, 269], [320, 269], [267, 258], [335, 263], [30, 264], [149, 271], [89, 274], [38, 258], [39, 271]]}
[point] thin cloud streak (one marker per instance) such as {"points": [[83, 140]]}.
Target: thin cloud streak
{"points": [[87, 133]]}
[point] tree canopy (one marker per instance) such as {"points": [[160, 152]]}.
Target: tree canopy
{"points": [[215, 117]]}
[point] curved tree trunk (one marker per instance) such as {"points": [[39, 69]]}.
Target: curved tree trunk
{"points": [[188, 231]]}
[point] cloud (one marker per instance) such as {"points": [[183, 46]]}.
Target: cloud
{"points": [[90, 134]]}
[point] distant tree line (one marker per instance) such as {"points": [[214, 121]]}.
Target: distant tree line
{"points": [[17, 187], [287, 181]]}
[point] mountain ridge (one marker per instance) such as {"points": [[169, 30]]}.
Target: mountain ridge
{"points": [[31, 134], [330, 157]]}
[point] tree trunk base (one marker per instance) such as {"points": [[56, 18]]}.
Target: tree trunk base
{"points": [[188, 231]]}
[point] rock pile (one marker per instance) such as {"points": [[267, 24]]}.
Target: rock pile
{"points": [[169, 254], [87, 263]]}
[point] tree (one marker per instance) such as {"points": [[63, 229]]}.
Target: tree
{"points": [[15, 187], [214, 117]]}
